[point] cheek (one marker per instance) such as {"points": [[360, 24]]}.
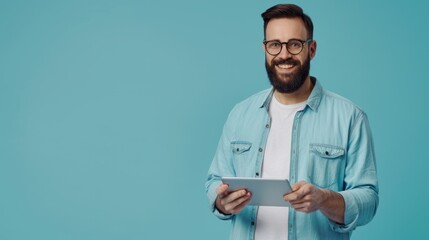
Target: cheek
{"points": [[269, 59], [303, 59]]}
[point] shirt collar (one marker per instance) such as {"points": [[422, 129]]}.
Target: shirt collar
{"points": [[313, 100]]}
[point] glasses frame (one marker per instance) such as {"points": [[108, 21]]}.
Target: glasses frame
{"points": [[286, 43]]}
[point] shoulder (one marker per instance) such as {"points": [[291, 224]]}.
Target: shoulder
{"points": [[249, 107], [341, 103], [256, 99], [253, 102]]}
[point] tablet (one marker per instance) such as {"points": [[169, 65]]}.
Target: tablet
{"points": [[265, 191]]}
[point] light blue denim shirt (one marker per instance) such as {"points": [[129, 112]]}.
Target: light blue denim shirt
{"points": [[331, 148]]}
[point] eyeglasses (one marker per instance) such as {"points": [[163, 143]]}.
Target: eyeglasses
{"points": [[294, 46]]}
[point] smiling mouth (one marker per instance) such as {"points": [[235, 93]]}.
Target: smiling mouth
{"points": [[285, 66]]}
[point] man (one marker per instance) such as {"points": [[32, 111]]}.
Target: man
{"points": [[296, 130]]}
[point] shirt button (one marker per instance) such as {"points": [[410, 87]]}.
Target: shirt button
{"points": [[260, 150], [253, 223], [257, 174], [267, 126]]}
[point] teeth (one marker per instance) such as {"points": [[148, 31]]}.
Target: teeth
{"points": [[285, 66]]}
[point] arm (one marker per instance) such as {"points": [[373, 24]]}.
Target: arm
{"points": [[220, 166], [360, 178]]}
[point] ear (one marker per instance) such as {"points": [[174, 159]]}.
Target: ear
{"points": [[313, 46]]}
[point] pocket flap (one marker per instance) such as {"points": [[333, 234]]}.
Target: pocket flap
{"points": [[327, 151], [240, 146]]}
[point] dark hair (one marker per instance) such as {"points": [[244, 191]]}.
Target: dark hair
{"points": [[287, 11]]}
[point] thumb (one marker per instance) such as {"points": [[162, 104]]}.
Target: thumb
{"points": [[297, 186], [221, 189]]}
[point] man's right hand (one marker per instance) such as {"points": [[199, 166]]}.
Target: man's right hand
{"points": [[231, 202]]}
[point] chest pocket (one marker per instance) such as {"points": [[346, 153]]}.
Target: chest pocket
{"points": [[241, 156], [326, 165], [239, 147]]}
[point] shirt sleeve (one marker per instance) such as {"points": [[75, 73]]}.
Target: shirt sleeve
{"points": [[361, 184], [221, 166]]}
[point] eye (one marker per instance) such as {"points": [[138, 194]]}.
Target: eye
{"points": [[294, 44], [274, 44]]}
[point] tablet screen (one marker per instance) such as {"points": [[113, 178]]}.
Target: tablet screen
{"points": [[265, 192]]}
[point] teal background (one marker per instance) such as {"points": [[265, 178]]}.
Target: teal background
{"points": [[110, 111]]}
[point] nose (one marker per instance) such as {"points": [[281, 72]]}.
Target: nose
{"points": [[284, 53]]}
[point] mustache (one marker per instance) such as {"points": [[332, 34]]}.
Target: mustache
{"points": [[290, 61]]}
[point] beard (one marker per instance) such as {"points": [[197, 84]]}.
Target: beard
{"points": [[288, 82]]}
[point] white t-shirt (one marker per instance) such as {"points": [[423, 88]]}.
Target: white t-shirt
{"points": [[272, 222]]}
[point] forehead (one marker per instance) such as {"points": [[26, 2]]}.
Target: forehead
{"points": [[285, 28]]}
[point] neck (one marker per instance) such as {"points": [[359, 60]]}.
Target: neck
{"points": [[298, 96]]}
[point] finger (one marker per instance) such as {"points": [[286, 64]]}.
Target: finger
{"points": [[298, 204], [290, 197], [236, 205], [302, 189], [221, 190], [298, 185], [306, 198], [303, 207], [240, 207], [232, 196], [293, 196]]}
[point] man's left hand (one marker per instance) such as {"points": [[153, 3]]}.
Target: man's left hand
{"points": [[307, 198]]}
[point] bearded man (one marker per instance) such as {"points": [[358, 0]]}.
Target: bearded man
{"points": [[299, 131]]}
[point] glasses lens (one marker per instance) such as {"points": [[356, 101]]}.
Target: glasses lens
{"points": [[273, 47], [294, 46]]}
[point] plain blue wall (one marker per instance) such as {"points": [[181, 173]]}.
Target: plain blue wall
{"points": [[110, 111]]}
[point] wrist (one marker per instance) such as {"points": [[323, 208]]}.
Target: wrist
{"points": [[326, 196], [333, 206]]}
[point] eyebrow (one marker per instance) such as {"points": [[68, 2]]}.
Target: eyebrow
{"points": [[287, 40]]}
